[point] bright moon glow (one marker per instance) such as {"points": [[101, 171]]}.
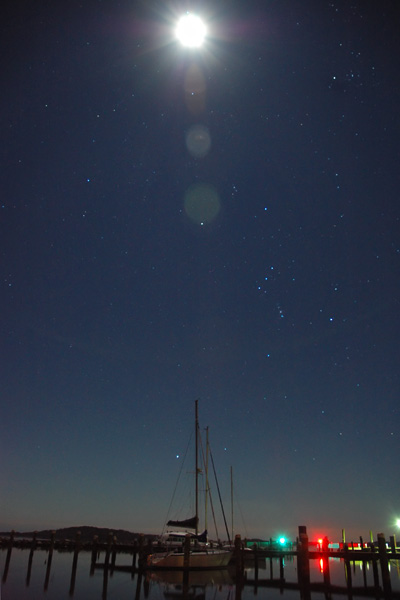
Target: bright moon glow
{"points": [[191, 31]]}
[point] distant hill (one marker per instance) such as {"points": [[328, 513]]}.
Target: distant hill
{"points": [[87, 534]]}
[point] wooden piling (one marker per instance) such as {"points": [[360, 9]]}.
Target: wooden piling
{"points": [[383, 559], [238, 557], [141, 554], [186, 565], [186, 552], [303, 563], [325, 561], [9, 552], [393, 544], [238, 553], [30, 560], [255, 550], [281, 569], [114, 553], [75, 563], [108, 550], [94, 553], [34, 541], [134, 554], [49, 559], [303, 555]]}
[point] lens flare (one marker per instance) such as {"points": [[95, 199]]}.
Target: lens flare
{"points": [[198, 141], [202, 203], [191, 31]]}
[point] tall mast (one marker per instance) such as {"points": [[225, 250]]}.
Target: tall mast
{"points": [[232, 502], [197, 464], [207, 486]]}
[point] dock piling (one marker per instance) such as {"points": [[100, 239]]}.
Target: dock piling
{"points": [[114, 553], [75, 563], [186, 552], [94, 553], [141, 556], [383, 559], [33, 548], [255, 550], [9, 552], [134, 554], [108, 551], [49, 559]]}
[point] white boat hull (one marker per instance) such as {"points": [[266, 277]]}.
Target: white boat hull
{"points": [[204, 559]]}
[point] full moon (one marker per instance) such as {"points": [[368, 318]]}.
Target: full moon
{"points": [[191, 31]]}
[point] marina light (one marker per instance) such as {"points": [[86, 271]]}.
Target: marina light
{"points": [[191, 31]]}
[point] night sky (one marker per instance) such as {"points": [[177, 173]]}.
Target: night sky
{"points": [[220, 223]]}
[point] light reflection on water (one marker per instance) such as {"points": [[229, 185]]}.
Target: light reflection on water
{"points": [[214, 585]]}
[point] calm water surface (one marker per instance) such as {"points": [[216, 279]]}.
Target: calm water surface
{"points": [[56, 583]]}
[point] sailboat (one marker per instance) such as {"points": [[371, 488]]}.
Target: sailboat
{"points": [[198, 555]]}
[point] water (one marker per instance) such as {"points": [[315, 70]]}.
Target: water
{"points": [[56, 583]]}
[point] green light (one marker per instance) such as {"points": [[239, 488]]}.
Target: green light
{"points": [[282, 541]]}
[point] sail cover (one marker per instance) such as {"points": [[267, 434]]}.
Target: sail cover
{"points": [[189, 523]]}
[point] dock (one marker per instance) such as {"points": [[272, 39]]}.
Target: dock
{"points": [[104, 556]]}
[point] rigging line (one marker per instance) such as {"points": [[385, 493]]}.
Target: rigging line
{"points": [[220, 499], [177, 482], [208, 489], [213, 514]]}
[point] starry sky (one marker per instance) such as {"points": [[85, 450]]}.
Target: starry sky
{"points": [[218, 223]]}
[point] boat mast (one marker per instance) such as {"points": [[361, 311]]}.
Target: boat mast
{"points": [[232, 502], [207, 485], [197, 464]]}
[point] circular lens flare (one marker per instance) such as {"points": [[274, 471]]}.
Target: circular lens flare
{"points": [[191, 31], [202, 203]]}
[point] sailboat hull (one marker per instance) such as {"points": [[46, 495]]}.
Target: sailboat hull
{"points": [[207, 559]]}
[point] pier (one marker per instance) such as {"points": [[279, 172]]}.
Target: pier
{"points": [[245, 567]]}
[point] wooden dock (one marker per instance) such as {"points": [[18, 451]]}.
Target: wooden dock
{"points": [[104, 556]]}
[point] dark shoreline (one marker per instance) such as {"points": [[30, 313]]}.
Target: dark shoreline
{"points": [[67, 536]]}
